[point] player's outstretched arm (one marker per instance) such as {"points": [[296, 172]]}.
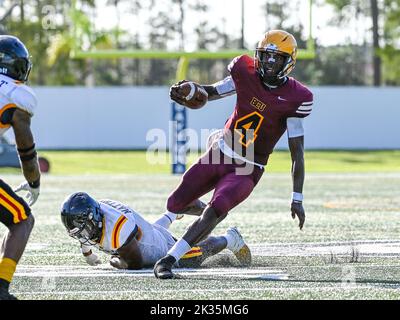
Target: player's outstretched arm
{"points": [[167, 219], [221, 89], [21, 122], [212, 92], [218, 90], [296, 146], [91, 258]]}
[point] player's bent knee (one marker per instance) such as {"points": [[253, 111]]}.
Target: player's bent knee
{"points": [[221, 206], [175, 204]]}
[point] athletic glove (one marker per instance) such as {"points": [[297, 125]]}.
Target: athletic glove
{"points": [[298, 210], [33, 193], [93, 259]]}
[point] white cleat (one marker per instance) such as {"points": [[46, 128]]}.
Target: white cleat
{"points": [[239, 247]]}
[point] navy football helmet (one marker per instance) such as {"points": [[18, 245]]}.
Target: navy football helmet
{"points": [[82, 218], [14, 58]]}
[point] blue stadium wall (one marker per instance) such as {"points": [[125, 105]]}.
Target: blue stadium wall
{"points": [[135, 117]]}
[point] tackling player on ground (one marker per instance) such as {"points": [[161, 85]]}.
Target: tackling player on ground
{"points": [[133, 242], [268, 103], [17, 104]]}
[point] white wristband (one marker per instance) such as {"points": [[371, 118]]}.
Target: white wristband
{"points": [[85, 249], [297, 196]]}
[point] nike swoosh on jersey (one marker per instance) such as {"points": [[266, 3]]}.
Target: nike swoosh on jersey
{"points": [[282, 99]]}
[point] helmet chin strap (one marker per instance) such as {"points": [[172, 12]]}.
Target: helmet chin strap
{"points": [[273, 82]]}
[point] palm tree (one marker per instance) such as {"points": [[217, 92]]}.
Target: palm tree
{"points": [[66, 42]]}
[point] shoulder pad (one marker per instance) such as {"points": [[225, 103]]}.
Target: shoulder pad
{"points": [[19, 94], [25, 99], [233, 62]]}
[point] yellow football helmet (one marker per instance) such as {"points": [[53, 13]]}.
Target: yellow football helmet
{"points": [[276, 54]]}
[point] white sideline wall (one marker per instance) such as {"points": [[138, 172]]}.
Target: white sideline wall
{"points": [[121, 117]]}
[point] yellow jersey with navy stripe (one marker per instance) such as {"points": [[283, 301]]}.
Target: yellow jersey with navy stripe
{"points": [[120, 221], [13, 209], [14, 94]]}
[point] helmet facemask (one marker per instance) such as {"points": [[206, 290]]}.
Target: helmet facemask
{"points": [[85, 228], [24, 67], [272, 65], [82, 217]]}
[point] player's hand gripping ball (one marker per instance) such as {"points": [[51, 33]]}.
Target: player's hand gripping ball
{"points": [[189, 94]]}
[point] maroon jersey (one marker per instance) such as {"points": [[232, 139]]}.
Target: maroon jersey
{"points": [[259, 118]]}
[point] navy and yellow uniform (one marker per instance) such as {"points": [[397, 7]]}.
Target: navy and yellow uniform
{"points": [[153, 240], [17, 104], [13, 209], [13, 95]]}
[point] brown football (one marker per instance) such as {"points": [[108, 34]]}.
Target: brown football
{"points": [[196, 96]]}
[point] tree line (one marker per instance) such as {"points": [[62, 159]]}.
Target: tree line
{"points": [[46, 28]]}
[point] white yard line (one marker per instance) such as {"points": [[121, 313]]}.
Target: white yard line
{"points": [[70, 271], [325, 288], [54, 254], [329, 243], [365, 248], [34, 246]]}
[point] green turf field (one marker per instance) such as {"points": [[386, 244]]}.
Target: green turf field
{"points": [[349, 248], [133, 162], [126, 162]]}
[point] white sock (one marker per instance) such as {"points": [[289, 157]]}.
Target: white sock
{"points": [[230, 241], [179, 249], [166, 219], [85, 248]]}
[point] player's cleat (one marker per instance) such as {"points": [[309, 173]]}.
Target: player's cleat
{"points": [[239, 247], [5, 295], [163, 268]]}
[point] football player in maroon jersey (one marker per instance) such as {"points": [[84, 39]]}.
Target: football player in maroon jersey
{"points": [[268, 103]]}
